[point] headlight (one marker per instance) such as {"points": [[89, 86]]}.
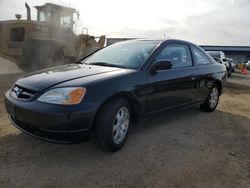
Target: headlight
{"points": [[63, 96]]}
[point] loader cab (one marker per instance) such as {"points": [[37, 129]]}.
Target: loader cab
{"points": [[60, 20], [56, 15]]}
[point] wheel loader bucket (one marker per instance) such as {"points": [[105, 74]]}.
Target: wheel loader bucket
{"points": [[86, 44], [101, 41]]}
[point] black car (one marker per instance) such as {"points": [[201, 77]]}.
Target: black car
{"points": [[231, 64], [112, 88]]}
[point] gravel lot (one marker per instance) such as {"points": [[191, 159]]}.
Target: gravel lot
{"points": [[7, 67], [189, 148]]}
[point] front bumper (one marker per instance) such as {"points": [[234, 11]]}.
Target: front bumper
{"points": [[59, 137], [53, 123]]}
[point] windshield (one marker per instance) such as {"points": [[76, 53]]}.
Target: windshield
{"points": [[58, 18], [65, 21], [124, 54], [43, 16]]}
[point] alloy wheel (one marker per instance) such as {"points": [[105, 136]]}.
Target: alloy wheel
{"points": [[120, 125], [214, 96]]}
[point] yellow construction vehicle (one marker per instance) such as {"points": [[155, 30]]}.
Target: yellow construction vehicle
{"points": [[48, 41]]}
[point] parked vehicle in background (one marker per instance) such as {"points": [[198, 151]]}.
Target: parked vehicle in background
{"points": [[218, 60], [232, 64], [221, 55], [107, 91], [247, 65]]}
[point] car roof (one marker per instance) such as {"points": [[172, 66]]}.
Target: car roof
{"points": [[159, 40]]}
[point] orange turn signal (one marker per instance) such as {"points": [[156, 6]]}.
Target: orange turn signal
{"points": [[75, 96]]}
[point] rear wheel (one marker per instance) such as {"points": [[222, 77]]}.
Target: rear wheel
{"points": [[212, 100], [112, 124]]}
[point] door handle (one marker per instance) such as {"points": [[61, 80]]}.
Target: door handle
{"points": [[147, 91]]}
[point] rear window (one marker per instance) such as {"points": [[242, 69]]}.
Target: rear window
{"points": [[199, 57]]}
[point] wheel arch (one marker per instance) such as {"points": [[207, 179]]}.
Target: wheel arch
{"points": [[219, 84], [135, 107]]}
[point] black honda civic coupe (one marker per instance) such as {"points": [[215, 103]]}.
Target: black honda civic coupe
{"points": [[103, 94]]}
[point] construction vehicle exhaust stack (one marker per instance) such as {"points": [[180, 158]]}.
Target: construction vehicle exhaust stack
{"points": [[48, 41]]}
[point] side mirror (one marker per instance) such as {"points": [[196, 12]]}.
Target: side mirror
{"points": [[224, 60], [160, 65]]}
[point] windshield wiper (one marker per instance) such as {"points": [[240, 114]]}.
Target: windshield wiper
{"points": [[106, 64], [80, 62]]}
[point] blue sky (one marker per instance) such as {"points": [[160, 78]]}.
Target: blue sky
{"points": [[223, 22]]}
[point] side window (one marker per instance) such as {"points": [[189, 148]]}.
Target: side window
{"points": [[199, 57], [178, 54], [17, 34]]}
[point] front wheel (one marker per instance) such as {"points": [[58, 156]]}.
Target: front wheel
{"points": [[112, 124], [212, 100]]}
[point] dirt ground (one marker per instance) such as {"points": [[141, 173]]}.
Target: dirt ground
{"points": [[189, 148], [7, 67]]}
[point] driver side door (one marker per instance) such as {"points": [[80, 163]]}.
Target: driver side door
{"points": [[174, 87]]}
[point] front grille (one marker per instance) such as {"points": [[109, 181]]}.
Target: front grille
{"points": [[22, 93]]}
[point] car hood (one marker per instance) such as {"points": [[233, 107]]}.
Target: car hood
{"points": [[45, 78]]}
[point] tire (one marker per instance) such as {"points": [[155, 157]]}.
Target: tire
{"points": [[212, 100], [109, 133]]}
